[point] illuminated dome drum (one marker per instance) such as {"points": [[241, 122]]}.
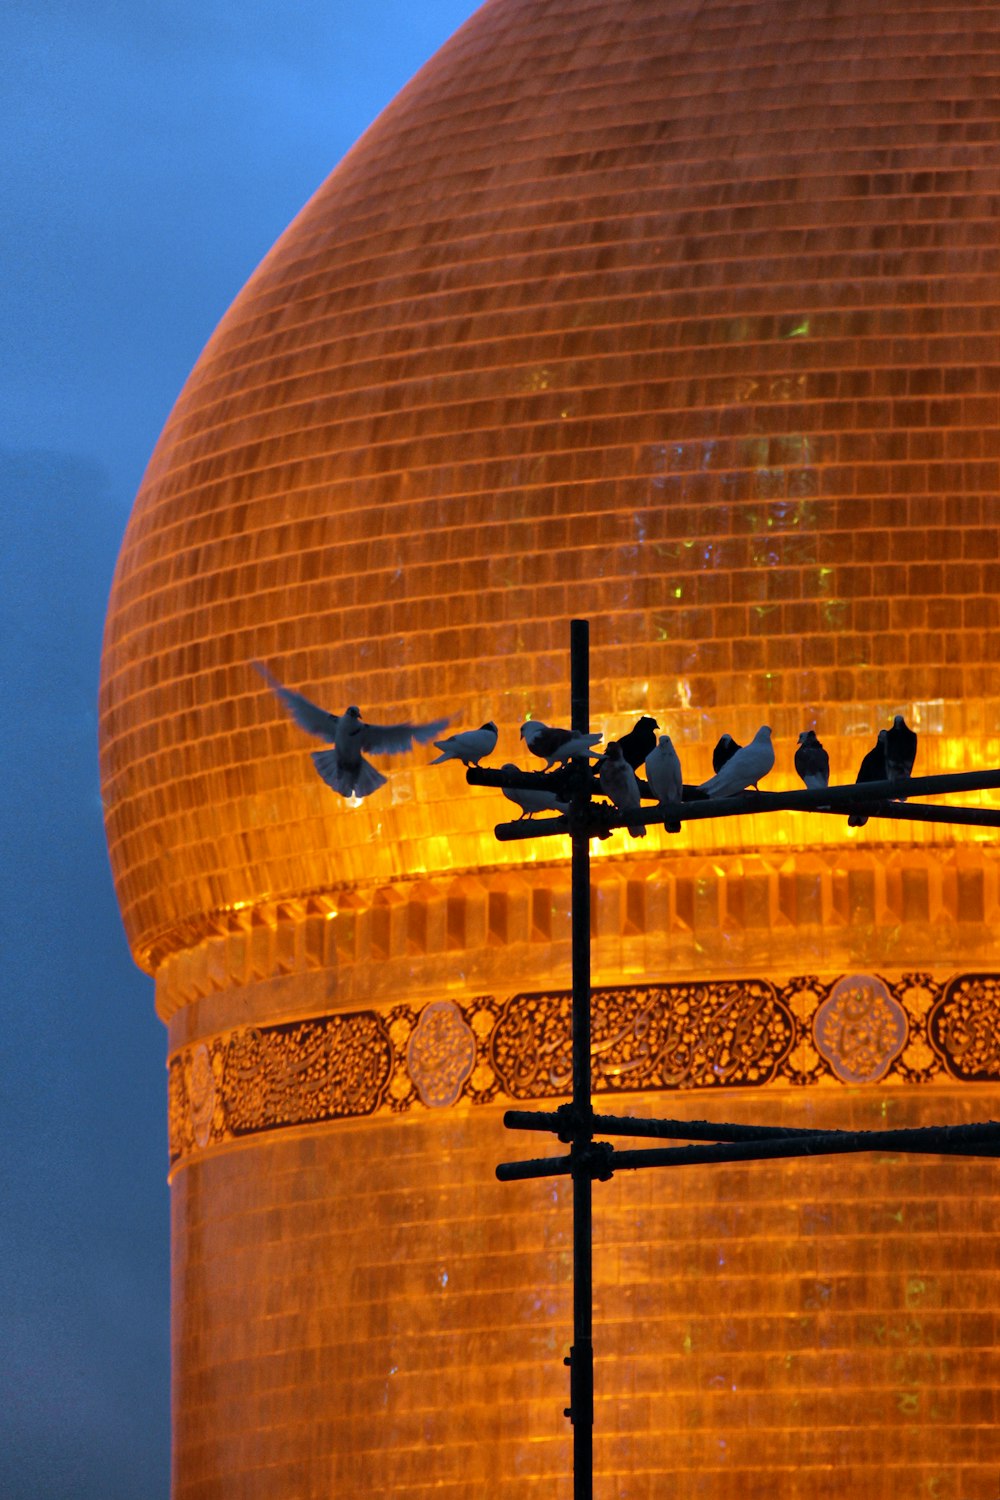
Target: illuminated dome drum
{"points": [[684, 319]]}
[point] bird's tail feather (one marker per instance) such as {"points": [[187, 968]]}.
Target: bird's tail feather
{"points": [[670, 824], [345, 781]]}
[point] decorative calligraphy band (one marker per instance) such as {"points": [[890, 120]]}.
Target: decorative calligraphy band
{"points": [[716, 1033]]}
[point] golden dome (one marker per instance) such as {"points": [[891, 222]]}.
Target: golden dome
{"points": [[684, 324], [682, 319]]}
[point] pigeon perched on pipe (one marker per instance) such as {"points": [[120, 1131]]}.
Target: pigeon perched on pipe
{"points": [[556, 745], [663, 772], [872, 768], [811, 761], [470, 746], [344, 768], [747, 767], [900, 751], [530, 800], [640, 741], [618, 782], [725, 749]]}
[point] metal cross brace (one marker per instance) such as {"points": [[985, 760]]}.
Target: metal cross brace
{"points": [[938, 1140], [576, 1122]]}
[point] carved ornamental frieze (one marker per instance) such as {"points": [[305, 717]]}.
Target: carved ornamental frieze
{"points": [[726, 1033], [860, 1029], [669, 1036]]}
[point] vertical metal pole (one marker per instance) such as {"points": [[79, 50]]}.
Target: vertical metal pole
{"points": [[581, 1359]]}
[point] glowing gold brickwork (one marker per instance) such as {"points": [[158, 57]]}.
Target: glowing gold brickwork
{"points": [[685, 320], [365, 1311]]}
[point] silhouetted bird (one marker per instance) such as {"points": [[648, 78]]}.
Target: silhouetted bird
{"points": [[344, 768], [470, 747], [552, 745], [812, 761], [663, 772], [531, 801], [724, 750], [872, 768], [747, 767], [900, 751], [640, 740], [618, 782]]}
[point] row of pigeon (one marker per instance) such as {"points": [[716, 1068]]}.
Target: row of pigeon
{"points": [[735, 767]]}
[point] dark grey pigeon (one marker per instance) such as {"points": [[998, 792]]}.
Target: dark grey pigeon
{"points": [[531, 801], [872, 768], [900, 751], [811, 760], [556, 745], [618, 782], [724, 750], [639, 742]]}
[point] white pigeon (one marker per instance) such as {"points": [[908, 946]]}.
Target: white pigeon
{"points": [[470, 747], [663, 772], [556, 745], [530, 800], [344, 768], [618, 782], [746, 768]]}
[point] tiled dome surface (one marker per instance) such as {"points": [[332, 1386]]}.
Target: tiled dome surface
{"points": [[682, 317]]}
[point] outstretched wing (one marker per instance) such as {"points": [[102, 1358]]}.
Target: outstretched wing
{"points": [[393, 739], [307, 715]]}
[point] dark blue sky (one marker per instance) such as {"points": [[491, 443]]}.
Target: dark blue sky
{"points": [[153, 153]]}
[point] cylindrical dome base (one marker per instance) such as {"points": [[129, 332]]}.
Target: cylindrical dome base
{"points": [[361, 1310]]}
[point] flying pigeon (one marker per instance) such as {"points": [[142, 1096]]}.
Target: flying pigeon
{"points": [[552, 745], [618, 782], [470, 747], [663, 772], [872, 768], [344, 768], [812, 761], [724, 750], [531, 801], [749, 765], [900, 751], [640, 741]]}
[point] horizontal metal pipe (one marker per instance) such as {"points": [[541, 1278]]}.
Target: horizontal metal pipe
{"points": [[935, 1140], [674, 1130], [841, 1143], [695, 803], [836, 799], [933, 812]]}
